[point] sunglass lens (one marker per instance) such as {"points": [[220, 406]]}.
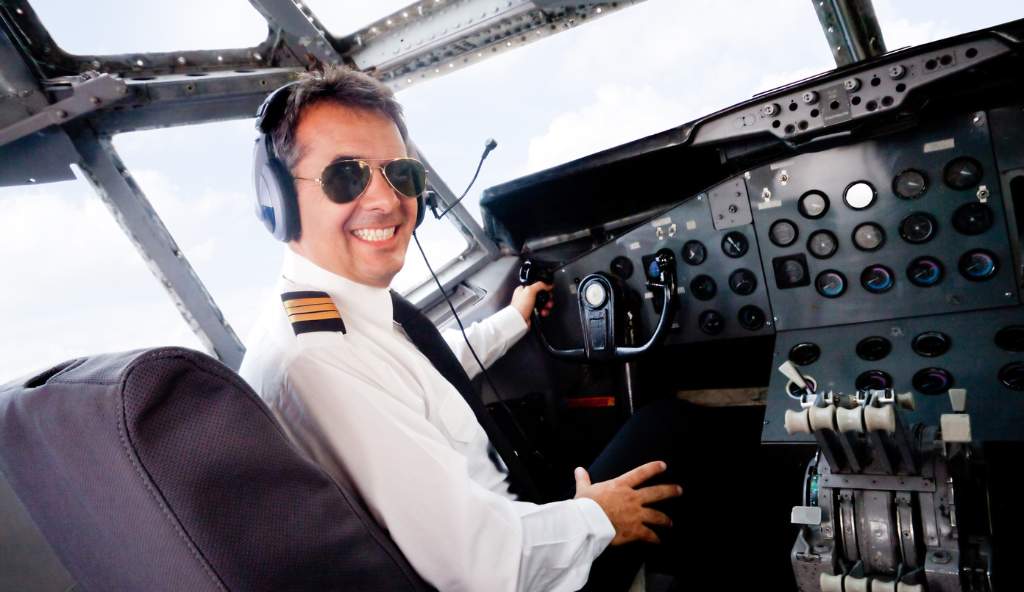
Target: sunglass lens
{"points": [[407, 176], [346, 180]]}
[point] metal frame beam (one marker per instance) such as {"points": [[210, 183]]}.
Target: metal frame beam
{"points": [[851, 29], [303, 30], [136, 216]]}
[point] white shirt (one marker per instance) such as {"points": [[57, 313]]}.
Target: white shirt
{"points": [[367, 404]]}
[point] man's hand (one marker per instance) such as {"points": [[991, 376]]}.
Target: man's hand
{"points": [[525, 299], [624, 504]]}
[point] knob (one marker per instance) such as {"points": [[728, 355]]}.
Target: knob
{"points": [[851, 84], [711, 322], [810, 97], [595, 294], [897, 71]]}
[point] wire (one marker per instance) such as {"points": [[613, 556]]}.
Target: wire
{"points": [[483, 370], [490, 145]]}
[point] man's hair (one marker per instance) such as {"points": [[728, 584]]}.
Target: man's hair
{"points": [[336, 84]]}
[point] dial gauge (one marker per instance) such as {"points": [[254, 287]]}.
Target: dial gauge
{"points": [[859, 195], [910, 184], [830, 283], [978, 265], [694, 252], [925, 272], [622, 267], [868, 236], [743, 282], [783, 233], [703, 287], [734, 244], [973, 218], [822, 244], [813, 204], [877, 279], [918, 228], [962, 173]]}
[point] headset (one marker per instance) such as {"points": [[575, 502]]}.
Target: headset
{"points": [[277, 203]]}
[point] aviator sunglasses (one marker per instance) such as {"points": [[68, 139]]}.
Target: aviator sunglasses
{"points": [[345, 180]]}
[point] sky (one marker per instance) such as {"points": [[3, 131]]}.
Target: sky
{"points": [[77, 286]]}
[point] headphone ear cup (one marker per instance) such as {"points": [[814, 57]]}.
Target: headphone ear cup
{"points": [[421, 208], [288, 210], [276, 203]]}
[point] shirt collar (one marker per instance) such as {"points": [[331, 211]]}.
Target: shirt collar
{"points": [[354, 300]]}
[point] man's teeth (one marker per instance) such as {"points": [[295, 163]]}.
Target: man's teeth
{"points": [[375, 234]]}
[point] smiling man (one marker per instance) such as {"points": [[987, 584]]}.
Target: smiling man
{"points": [[367, 397]]}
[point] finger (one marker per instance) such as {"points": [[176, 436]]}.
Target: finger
{"points": [[582, 478], [656, 493], [647, 535], [643, 473], [654, 517]]}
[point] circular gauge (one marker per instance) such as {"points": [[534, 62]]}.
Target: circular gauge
{"points": [[622, 267], [962, 173], [973, 218], [793, 273], [859, 195], [910, 184], [1011, 338], [830, 283], [925, 272], [931, 344], [751, 317], [783, 233], [734, 244], [877, 279], [873, 348], [918, 228], [694, 252], [743, 282], [868, 236], [822, 244], [978, 265], [804, 354], [932, 381], [873, 380], [1012, 376], [813, 204], [711, 322], [703, 287]]}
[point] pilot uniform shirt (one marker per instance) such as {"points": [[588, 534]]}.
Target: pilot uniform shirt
{"points": [[367, 404]]}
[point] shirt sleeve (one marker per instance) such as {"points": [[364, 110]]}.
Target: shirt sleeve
{"points": [[456, 534], [491, 338]]}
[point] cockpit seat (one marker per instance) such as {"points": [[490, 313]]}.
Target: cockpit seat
{"points": [[161, 469]]}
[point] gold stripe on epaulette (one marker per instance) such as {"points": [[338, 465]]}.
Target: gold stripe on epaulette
{"points": [[308, 302], [310, 312], [315, 316]]}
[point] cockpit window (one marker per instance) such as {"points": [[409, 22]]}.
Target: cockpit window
{"points": [[74, 284], [125, 26], [913, 22], [343, 18], [648, 68]]}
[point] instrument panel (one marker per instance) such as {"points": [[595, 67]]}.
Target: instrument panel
{"points": [[907, 238]]}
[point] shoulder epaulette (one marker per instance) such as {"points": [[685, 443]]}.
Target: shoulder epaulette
{"points": [[309, 312]]}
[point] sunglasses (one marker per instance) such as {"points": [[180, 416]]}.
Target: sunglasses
{"points": [[344, 181]]}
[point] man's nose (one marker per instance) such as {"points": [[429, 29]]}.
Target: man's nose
{"points": [[379, 195]]}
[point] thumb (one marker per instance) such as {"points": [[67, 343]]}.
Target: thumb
{"points": [[582, 478]]}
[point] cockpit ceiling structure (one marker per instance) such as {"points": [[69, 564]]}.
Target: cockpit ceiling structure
{"points": [[59, 110]]}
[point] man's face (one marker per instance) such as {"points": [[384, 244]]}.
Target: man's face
{"points": [[354, 239]]}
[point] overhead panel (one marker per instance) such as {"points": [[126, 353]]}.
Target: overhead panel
{"points": [[430, 37]]}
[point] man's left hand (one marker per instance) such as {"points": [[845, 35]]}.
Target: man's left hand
{"points": [[525, 300]]}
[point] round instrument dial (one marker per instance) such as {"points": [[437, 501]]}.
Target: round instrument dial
{"points": [[743, 282], [877, 279], [962, 173], [694, 252], [919, 227], [910, 184], [783, 233], [1011, 338], [794, 273], [804, 354], [830, 283], [925, 272], [859, 195], [978, 265], [873, 380], [813, 204], [595, 294], [873, 348], [751, 317], [1012, 376], [932, 381], [703, 287], [735, 244], [931, 344], [868, 236], [711, 322], [622, 267], [822, 244], [973, 218]]}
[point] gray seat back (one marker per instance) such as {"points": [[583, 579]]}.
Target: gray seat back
{"points": [[162, 470]]}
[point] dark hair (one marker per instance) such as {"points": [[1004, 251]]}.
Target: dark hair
{"points": [[336, 84]]}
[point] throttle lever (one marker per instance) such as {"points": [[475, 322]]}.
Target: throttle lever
{"points": [[531, 272]]}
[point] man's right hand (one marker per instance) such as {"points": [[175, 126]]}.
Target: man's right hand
{"points": [[625, 504]]}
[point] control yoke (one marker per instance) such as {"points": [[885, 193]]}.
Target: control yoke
{"points": [[596, 300]]}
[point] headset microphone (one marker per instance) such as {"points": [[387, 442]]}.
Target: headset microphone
{"points": [[491, 144]]}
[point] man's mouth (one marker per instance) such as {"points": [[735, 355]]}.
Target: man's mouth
{"points": [[375, 235]]}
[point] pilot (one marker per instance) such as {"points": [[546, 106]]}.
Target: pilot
{"points": [[364, 399]]}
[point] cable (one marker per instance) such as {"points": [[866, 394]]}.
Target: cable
{"points": [[488, 146], [483, 370]]}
